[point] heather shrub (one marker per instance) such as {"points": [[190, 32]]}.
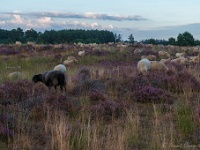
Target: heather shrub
{"points": [[96, 96], [151, 94], [186, 79], [108, 110], [16, 91], [89, 86], [5, 130], [58, 100], [84, 84], [8, 52]]}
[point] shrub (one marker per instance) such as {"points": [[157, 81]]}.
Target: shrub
{"points": [[151, 94], [108, 110]]}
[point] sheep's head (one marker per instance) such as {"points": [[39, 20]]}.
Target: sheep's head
{"points": [[37, 78]]}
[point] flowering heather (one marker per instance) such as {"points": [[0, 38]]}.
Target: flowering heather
{"points": [[96, 96], [4, 129], [16, 91], [108, 110], [151, 94], [58, 100], [8, 52]]}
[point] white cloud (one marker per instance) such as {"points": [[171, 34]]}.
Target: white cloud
{"points": [[95, 25], [17, 19]]}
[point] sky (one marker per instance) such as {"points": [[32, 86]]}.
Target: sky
{"points": [[144, 19]]}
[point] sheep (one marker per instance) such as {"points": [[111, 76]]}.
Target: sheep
{"points": [[163, 54], [180, 54], [15, 75], [52, 78], [165, 60], [81, 53], [181, 60], [60, 67], [143, 66], [69, 62], [71, 58], [149, 57], [194, 59], [137, 51], [16, 68], [158, 66]]}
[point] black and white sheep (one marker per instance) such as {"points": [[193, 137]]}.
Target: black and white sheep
{"points": [[52, 78]]}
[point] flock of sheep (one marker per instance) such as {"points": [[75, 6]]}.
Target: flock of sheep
{"points": [[148, 62], [57, 76]]}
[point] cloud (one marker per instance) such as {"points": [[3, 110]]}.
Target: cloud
{"points": [[87, 15]]}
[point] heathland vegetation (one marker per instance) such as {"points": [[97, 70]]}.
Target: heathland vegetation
{"points": [[108, 105]]}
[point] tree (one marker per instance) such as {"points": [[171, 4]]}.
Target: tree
{"points": [[185, 39], [31, 35], [172, 41], [131, 39], [119, 38]]}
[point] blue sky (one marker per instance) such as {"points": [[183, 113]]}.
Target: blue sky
{"points": [[159, 19]]}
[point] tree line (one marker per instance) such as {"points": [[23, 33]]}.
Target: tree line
{"points": [[85, 36], [56, 37], [183, 39]]}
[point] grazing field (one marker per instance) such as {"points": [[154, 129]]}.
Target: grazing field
{"points": [[108, 104]]}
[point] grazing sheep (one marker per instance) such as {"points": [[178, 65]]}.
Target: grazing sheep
{"points": [[181, 60], [14, 68], [163, 54], [60, 67], [52, 78], [71, 58], [15, 75], [165, 60], [194, 59], [143, 66], [69, 62], [137, 51], [158, 66], [180, 54], [149, 57], [81, 53]]}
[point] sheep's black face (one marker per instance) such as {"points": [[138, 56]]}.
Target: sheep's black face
{"points": [[36, 78]]}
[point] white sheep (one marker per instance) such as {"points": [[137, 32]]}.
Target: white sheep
{"points": [[69, 62], [14, 68], [143, 66], [60, 67], [15, 75], [165, 60], [180, 54], [81, 53], [137, 51], [194, 59], [163, 54], [181, 60], [158, 66]]}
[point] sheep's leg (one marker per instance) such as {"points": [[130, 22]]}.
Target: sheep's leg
{"points": [[61, 87]]}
